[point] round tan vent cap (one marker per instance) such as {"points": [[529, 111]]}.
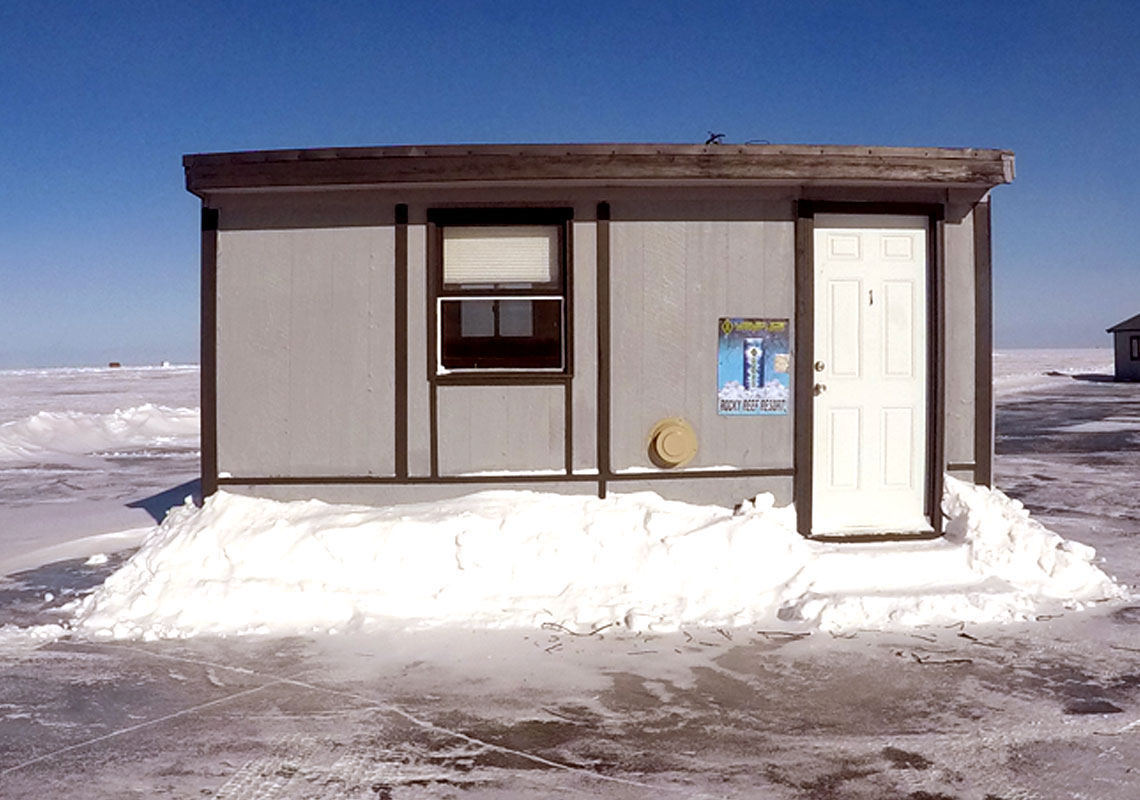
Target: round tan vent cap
{"points": [[672, 443]]}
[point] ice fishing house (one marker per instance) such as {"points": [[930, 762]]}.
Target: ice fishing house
{"points": [[399, 324], [1126, 345]]}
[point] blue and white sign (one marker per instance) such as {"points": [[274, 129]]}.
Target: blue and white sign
{"points": [[752, 367]]}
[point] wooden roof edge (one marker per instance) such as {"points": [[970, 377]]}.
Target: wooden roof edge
{"points": [[573, 149], [358, 166], [1130, 324]]}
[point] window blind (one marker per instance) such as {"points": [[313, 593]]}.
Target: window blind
{"points": [[500, 254]]}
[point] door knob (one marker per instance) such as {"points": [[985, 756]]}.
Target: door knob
{"points": [[819, 389], [818, 366]]}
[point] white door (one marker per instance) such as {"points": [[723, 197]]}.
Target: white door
{"points": [[869, 437]]}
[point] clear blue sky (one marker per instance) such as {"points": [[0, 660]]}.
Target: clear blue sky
{"points": [[99, 101]]}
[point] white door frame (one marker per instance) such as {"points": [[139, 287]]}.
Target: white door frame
{"points": [[806, 356]]}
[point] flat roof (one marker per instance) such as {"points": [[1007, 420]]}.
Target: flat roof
{"points": [[609, 164]]}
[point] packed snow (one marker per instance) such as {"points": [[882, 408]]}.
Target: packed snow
{"points": [[503, 559], [510, 559]]}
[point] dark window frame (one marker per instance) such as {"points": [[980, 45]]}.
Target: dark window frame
{"points": [[1134, 348], [440, 293]]}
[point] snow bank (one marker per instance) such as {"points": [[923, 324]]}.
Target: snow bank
{"points": [[518, 559], [994, 564], [64, 433]]}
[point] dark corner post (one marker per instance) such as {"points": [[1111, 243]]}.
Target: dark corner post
{"points": [[400, 342], [983, 347], [569, 327], [208, 355], [803, 377], [603, 317], [937, 254]]}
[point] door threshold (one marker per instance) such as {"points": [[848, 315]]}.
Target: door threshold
{"points": [[885, 535]]}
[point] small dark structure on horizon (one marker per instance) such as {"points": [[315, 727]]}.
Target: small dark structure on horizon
{"points": [[1126, 343]]}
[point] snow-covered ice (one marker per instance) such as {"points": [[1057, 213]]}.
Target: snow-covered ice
{"points": [[1017, 371], [518, 559], [79, 448], [1044, 708]]}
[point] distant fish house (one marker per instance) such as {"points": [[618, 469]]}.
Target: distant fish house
{"points": [[1126, 344], [399, 324]]}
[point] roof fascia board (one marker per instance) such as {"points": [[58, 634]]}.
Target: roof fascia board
{"points": [[430, 151], [591, 165], [564, 183], [1129, 325]]}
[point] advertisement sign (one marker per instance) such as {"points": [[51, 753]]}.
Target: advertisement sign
{"points": [[753, 365]]}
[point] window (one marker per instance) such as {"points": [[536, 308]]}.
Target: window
{"points": [[1134, 347], [500, 290]]}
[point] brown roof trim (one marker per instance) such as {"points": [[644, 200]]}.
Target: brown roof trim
{"points": [[596, 163], [1130, 324]]}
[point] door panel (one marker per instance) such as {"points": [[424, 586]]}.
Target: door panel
{"points": [[870, 436], [898, 332], [843, 343], [896, 446], [845, 444]]}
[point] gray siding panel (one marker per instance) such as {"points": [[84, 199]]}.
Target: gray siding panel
{"points": [[672, 281], [419, 415], [727, 492], [373, 494], [585, 388], [304, 351], [500, 428], [960, 331]]}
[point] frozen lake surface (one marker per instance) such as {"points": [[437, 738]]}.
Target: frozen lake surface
{"points": [[77, 446], [1043, 709]]}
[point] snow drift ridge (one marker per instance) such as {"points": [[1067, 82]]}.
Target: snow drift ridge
{"points": [[75, 433], [517, 559]]}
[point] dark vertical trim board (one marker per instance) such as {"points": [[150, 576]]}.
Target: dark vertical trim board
{"points": [[208, 355], [400, 341], [568, 427], [937, 252], [434, 247], [603, 312], [568, 342], [804, 325], [983, 347]]}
